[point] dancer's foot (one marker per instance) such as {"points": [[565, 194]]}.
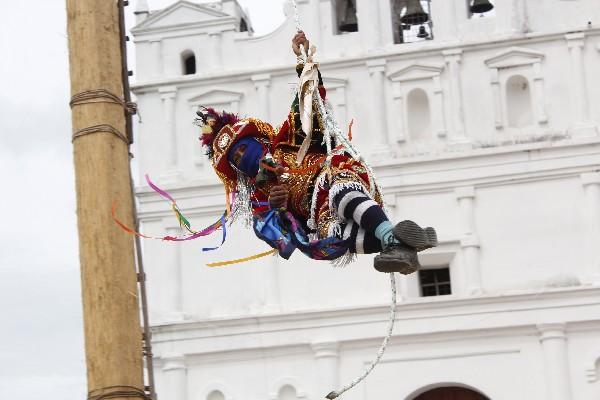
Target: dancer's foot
{"points": [[397, 257], [413, 235]]}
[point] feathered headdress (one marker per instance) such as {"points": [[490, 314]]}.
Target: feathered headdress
{"points": [[212, 122]]}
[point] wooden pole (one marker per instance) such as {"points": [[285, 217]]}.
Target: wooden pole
{"points": [[108, 275]]}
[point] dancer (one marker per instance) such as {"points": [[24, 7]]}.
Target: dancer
{"points": [[298, 193]]}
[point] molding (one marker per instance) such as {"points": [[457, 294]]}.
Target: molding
{"points": [[552, 331], [326, 349], [590, 178], [149, 23], [591, 367], [464, 192], [334, 83], [276, 386], [417, 71], [514, 57], [215, 96], [411, 310], [394, 55], [217, 386]]}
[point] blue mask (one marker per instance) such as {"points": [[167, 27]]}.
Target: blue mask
{"points": [[249, 162]]}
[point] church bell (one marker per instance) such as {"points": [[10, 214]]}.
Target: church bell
{"points": [[349, 23], [481, 6], [415, 15], [422, 32]]}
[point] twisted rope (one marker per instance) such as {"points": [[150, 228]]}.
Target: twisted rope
{"points": [[102, 96], [112, 392], [103, 128], [337, 393]]}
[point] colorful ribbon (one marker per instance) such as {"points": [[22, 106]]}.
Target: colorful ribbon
{"points": [[242, 260]]}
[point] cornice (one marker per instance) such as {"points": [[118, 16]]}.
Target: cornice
{"points": [[423, 321], [395, 53]]}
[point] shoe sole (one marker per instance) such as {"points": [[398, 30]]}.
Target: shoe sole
{"points": [[384, 264], [412, 234]]}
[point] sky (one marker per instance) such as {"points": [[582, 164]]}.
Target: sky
{"points": [[41, 329]]}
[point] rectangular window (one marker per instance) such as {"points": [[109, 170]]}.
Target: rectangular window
{"points": [[411, 21], [435, 282], [480, 8], [345, 18]]}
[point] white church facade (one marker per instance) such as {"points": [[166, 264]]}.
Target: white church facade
{"points": [[486, 127]]}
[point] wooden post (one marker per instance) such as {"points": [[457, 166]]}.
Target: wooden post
{"points": [[108, 275]]}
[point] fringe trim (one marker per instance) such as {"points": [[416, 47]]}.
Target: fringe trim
{"points": [[344, 261], [241, 209], [336, 189]]}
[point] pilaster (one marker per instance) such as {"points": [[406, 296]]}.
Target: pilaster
{"points": [[553, 339], [580, 125], [469, 243], [168, 95], [262, 83], [377, 70], [327, 361], [174, 371], [591, 215], [453, 60]]}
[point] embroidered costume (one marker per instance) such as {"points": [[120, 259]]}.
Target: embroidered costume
{"points": [[334, 208]]}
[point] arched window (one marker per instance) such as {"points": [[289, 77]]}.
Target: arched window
{"points": [[419, 115], [345, 16], [518, 102], [188, 62], [215, 395], [451, 393], [287, 392]]}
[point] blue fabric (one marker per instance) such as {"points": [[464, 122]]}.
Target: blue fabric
{"points": [[251, 158], [385, 233], [283, 232]]}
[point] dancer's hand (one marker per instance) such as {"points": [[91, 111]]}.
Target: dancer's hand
{"points": [[278, 196], [300, 40]]}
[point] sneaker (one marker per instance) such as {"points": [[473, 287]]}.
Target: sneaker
{"points": [[397, 257], [413, 235]]}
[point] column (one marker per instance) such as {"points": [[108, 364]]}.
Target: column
{"points": [[497, 94], [378, 121], [262, 82], [173, 291], [453, 59], [470, 241], [216, 40], [556, 361], [580, 125], [399, 128], [591, 189], [327, 363], [438, 114], [168, 96], [157, 59], [175, 377]]}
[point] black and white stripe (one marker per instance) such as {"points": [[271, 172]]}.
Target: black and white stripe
{"points": [[353, 205], [359, 240]]}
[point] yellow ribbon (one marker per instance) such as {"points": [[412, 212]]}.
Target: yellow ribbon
{"points": [[242, 260]]}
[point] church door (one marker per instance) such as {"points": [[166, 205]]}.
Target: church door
{"points": [[451, 393]]}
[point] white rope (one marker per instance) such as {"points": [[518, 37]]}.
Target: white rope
{"points": [[296, 16], [333, 134], [337, 393]]}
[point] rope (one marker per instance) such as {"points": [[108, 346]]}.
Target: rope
{"points": [[337, 393], [103, 128], [102, 96], [112, 392]]}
